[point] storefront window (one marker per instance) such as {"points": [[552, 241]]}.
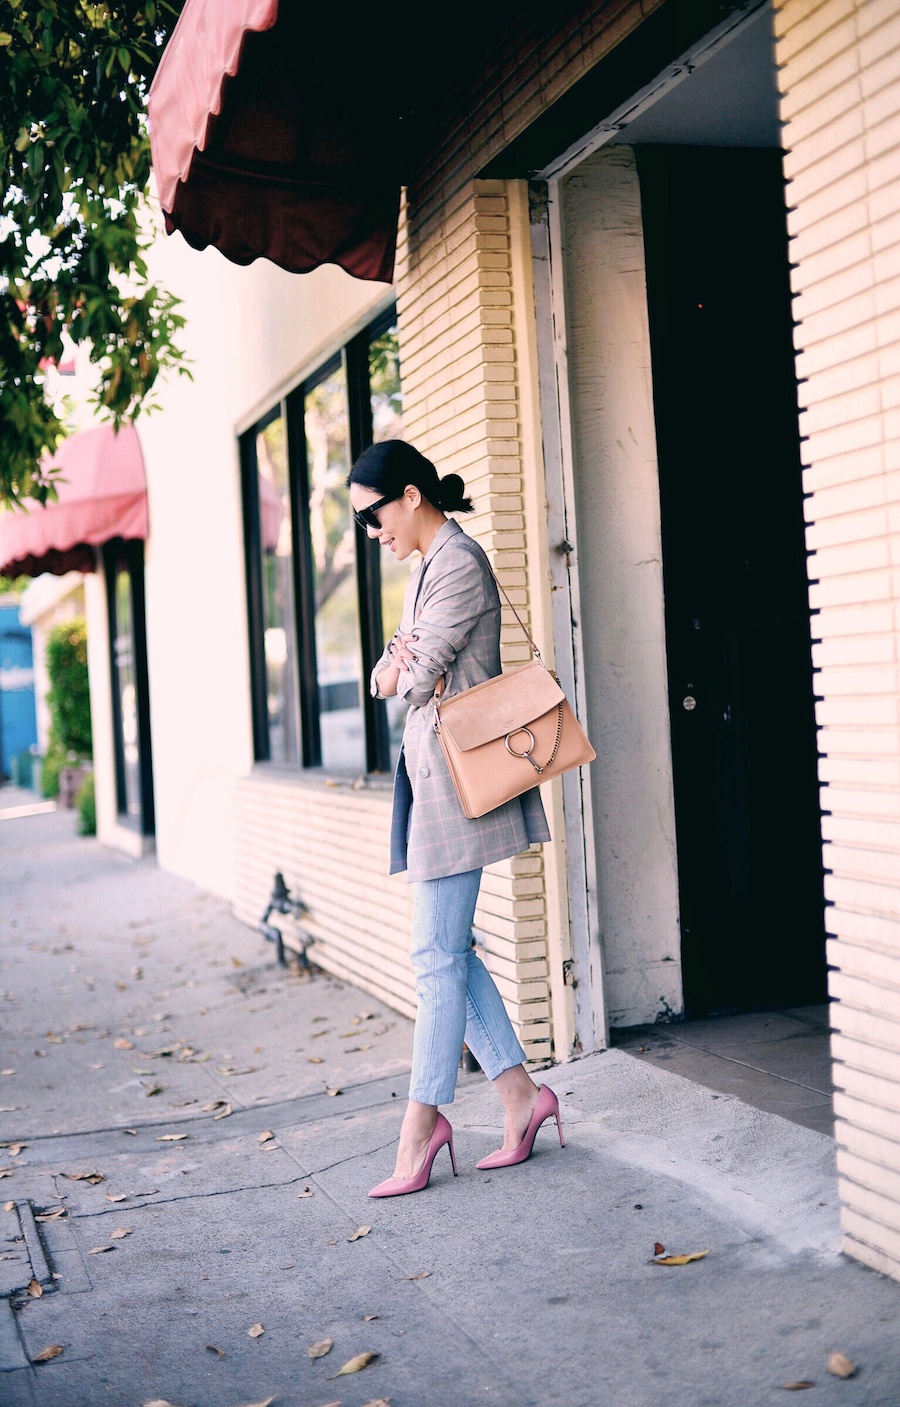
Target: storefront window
{"points": [[320, 595]]}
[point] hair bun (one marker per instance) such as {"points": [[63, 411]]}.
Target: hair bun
{"points": [[453, 495]]}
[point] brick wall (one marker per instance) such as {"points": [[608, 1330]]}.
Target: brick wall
{"points": [[839, 62], [462, 408]]}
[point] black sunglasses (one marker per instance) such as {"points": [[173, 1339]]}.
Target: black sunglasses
{"points": [[366, 516]]}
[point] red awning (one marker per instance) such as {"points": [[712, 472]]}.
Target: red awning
{"points": [[266, 144], [102, 495]]}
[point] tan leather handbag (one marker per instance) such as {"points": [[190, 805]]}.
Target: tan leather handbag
{"points": [[508, 734]]}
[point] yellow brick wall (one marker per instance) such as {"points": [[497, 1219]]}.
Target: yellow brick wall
{"points": [[462, 409], [838, 66]]}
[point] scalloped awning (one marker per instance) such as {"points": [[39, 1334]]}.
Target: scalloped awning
{"points": [[265, 141], [102, 495]]}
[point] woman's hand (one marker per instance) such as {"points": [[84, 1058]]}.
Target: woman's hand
{"points": [[401, 656]]}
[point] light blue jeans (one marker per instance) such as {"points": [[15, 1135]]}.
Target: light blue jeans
{"points": [[458, 999]]}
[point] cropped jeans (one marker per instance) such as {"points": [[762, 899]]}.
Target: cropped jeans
{"points": [[458, 999]]}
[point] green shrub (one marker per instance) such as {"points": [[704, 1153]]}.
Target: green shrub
{"points": [[54, 758], [86, 807], [69, 699]]}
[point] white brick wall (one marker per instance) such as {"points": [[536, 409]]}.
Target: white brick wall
{"points": [[461, 408], [838, 66]]}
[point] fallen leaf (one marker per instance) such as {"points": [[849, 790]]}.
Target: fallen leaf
{"points": [[219, 1352], [133, 1132], [359, 1233], [840, 1365], [7, 1072], [230, 1070], [367, 1318], [315, 1060], [170, 1137], [355, 1365], [100, 1250], [223, 1113], [160, 1402], [46, 1354], [92, 1177], [150, 1090], [237, 962], [798, 1386], [333, 1091], [307, 1192], [34, 1289], [265, 1136], [659, 1249], [117, 1197], [255, 1331], [11, 1207], [422, 1275], [15, 1149], [55, 1215], [120, 1232], [122, 1044], [6, 1172], [266, 1402], [679, 1260], [378, 1402], [139, 1070], [319, 1350]]}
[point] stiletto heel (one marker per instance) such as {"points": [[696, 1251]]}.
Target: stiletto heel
{"points": [[400, 1186], [547, 1107]]}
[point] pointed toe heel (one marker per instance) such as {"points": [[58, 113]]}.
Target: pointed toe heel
{"points": [[547, 1107], [401, 1186]]}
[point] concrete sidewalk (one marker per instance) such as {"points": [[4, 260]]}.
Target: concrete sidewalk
{"points": [[202, 1127]]}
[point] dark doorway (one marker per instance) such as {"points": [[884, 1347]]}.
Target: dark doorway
{"points": [[737, 620], [124, 567]]}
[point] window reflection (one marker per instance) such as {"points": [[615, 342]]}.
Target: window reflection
{"points": [[333, 541], [278, 594], [387, 424]]}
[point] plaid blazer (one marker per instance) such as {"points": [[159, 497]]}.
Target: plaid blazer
{"points": [[453, 604]]}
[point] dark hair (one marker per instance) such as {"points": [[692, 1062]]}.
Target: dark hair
{"points": [[387, 468]]}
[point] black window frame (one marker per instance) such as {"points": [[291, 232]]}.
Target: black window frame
{"points": [[353, 357]]}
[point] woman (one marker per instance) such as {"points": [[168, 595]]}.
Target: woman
{"points": [[450, 626]]}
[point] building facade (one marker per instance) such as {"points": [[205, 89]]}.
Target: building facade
{"points": [[645, 304]]}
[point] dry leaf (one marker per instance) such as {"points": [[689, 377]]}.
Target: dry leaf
{"points": [[11, 1207], [355, 1365], [6, 1172], [55, 1215], [46, 1354], [153, 1089], [378, 1402], [92, 1177], [798, 1386], [170, 1137], [840, 1366], [219, 1352], [659, 1249], [237, 962], [333, 1091], [319, 1350], [680, 1260], [266, 1402], [15, 1149], [160, 1402], [117, 1197], [422, 1275], [265, 1136], [122, 1044], [223, 1113], [100, 1250], [359, 1233], [367, 1318], [34, 1289], [315, 1060], [255, 1331], [133, 1132], [120, 1232], [307, 1192]]}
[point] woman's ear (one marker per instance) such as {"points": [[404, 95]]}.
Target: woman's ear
{"points": [[413, 494]]}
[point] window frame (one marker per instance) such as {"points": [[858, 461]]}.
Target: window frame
{"points": [[353, 358]]}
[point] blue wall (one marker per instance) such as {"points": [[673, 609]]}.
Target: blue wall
{"points": [[18, 725]]}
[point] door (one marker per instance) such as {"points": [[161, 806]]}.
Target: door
{"points": [[737, 622], [124, 567]]}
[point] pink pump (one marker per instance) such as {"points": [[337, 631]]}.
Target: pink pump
{"points": [[399, 1186], [547, 1107]]}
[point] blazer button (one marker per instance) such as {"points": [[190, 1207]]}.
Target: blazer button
{"points": [[423, 771]]}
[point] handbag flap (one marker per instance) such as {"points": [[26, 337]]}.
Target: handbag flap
{"points": [[499, 706]]}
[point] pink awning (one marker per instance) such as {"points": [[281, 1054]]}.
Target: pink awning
{"points": [[265, 145], [102, 495]]}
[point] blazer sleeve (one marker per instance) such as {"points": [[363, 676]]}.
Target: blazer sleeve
{"points": [[382, 664], [452, 604]]}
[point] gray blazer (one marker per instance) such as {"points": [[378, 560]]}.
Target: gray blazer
{"points": [[453, 604]]}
